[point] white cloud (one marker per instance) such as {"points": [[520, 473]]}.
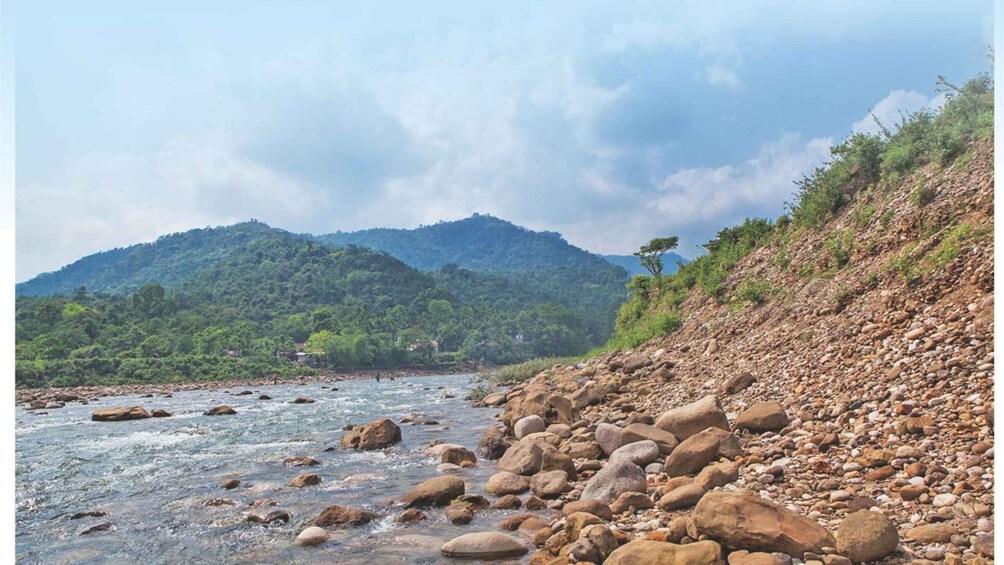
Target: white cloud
{"points": [[891, 110]]}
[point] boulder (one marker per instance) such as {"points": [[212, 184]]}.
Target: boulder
{"points": [[411, 516], [230, 484], [614, 479], [119, 414], [938, 532], [493, 444], [494, 399], [457, 455], [649, 552], [749, 522], [484, 545], [593, 545], [592, 506], [628, 500], [718, 475], [507, 502], [222, 410], [504, 483], [682, 497], [438, 491], [637, 362], [641, 432], [866, 536], [588, 395], [530, 457], [549, 484], [377, 434], [305, 480], [576, 522], [302, 400], [728, 446], [278, 515], [640, 453], [300, 461], [693, 418], [528, 425], [459, 513], [608, 437], [692, 454], [160, 413], [340, 516], [739, 383], [312, 536], [763, 417]]}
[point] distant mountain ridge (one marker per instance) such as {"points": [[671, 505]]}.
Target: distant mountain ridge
{"points": [[169, 260], [480, 243]]}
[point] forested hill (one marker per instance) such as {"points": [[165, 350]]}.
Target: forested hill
{"points": [[225, 302], [169, 260], [479, 243]]}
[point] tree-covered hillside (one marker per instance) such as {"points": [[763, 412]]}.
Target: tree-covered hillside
{"points": [[479, 243], [169, 260], [223, 302]]}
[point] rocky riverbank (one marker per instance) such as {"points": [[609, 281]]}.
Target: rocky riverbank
{"points": [[54, 398]]}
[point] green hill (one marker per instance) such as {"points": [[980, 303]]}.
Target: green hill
{"points": [[479, 243], [221, 302]]}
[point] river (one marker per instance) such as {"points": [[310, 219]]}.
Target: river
{"points": [[152, 476]]}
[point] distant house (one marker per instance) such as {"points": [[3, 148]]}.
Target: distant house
{"points": [[419, 345], [231, 353], [519, 338]]}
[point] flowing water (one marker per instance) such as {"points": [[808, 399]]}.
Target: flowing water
{"points": [[152, 476]]}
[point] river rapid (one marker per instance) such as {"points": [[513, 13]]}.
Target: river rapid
{"points": [[152, 476]]}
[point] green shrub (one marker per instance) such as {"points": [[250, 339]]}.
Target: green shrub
{"points": [[755, 292], [921, 195]]}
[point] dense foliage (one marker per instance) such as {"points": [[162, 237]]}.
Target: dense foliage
{"points": [[860, 163], [481, 243], [252, 291]]}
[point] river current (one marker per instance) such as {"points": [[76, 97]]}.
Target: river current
{"points": [[152, 476]]}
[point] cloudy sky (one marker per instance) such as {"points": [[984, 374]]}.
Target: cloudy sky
{"points": [[611, 124]]}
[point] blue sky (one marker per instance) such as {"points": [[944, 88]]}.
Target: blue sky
{"points": [[610, 123]]}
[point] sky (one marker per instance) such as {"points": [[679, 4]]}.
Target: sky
{"points": [[611, 123]]}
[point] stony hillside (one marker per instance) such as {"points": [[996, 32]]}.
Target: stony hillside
{"points": [[842, 412]]}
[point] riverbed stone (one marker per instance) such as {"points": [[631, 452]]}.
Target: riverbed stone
{"points": [[549, 484], [377, 434], [119, 414], [692, 454], [608, 437], [305, 480], [438, 491], [504, 482], [615, 478], [641, 432], [484, 545], [312, 536], [866, 536], [640, 453], [649, 552], [528, 425], [340, 516], [763, 417], [222, 410], [693, 418], [749, 522]]}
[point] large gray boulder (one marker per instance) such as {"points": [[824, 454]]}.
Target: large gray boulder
{"points": [[640, 453], [616, 478], [608, 437]]}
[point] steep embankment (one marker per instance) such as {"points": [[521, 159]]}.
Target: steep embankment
{"points": [[853, 365]]}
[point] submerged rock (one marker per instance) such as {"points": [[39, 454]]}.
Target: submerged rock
{"points": [[223, 410], [312, 536], [377, 434], [119, 414], [438, 491]]}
